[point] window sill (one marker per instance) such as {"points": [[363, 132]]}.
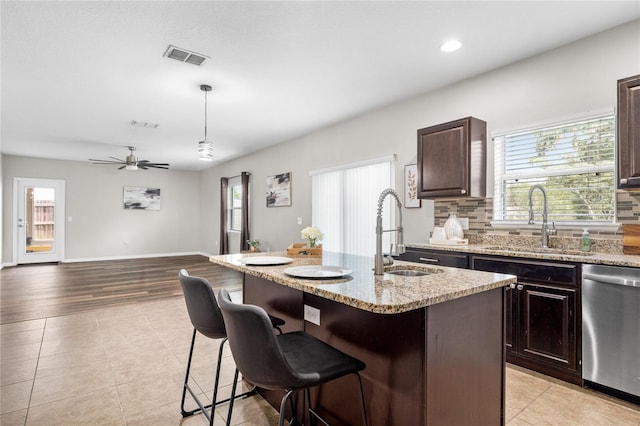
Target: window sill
{"points": [[578, 226]]}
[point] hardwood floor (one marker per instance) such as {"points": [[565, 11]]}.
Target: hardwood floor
{"points": [[48, 290]]}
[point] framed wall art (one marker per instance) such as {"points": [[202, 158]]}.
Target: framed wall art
{"points": [[411, 199], [279, 190], [140, 198]]}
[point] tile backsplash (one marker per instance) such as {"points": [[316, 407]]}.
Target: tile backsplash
{"points": [[480, 214]]}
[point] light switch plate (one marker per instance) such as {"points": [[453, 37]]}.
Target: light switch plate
{"points": [[312, 314]]}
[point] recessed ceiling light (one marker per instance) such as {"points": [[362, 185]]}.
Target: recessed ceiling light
{"points": [[451, 46]]}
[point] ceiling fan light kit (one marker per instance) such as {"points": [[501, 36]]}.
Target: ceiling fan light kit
{"points": [[205, 147]]}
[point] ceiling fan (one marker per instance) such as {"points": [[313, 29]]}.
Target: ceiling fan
{"points": [[131, 163]]}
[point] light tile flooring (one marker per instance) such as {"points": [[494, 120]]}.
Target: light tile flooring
{"points": [[125, 366]]}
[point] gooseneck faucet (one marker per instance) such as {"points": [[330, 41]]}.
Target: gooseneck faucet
{"points": [[381, 261], [546, 229]]}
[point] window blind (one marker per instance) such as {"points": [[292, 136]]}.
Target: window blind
{"points": [[573, 161], [344, 205]]}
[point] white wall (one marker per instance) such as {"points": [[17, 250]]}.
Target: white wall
{"points": [[101, 228], [576, 79]]}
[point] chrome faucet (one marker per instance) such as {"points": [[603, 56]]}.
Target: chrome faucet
{"points": [[381, 261], [546, 229]]}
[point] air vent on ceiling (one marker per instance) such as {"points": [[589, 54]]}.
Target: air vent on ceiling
{"points": [[184, 55]]}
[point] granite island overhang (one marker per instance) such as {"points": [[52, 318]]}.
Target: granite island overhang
{"points": [[433, 345], [383, 294]]}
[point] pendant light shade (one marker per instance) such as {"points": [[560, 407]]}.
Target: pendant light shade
{"points": [[205, 147]]}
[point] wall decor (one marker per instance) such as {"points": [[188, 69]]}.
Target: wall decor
{"points": [[140, 198], [411, 199], [279, 190]]}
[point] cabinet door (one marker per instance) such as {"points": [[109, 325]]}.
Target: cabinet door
{"points": [[443, 160], [452, 159], [548, 324], [629, 132]]}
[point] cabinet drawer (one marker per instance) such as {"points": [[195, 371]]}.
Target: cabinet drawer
{"points": [[530, 270], [436, 258]]}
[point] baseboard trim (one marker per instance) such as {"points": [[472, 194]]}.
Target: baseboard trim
{"points": [[132, 256]]}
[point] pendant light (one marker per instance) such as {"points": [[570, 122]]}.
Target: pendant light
{"points": [[205, 147]]}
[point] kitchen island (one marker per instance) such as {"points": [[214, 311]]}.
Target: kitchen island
{"points": [[433, 344]]}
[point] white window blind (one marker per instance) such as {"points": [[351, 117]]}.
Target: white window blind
{"points": [[344, 202], [573, 161]]}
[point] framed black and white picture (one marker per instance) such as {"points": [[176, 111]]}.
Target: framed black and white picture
{"points": [[411, 199], [140, 198], [279, 190]]}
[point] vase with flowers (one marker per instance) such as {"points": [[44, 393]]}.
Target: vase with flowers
{"points": [[313, 235]]}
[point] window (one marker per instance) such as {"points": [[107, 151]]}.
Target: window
{"points": [[235, 207], [344, 205], [574, 162]]}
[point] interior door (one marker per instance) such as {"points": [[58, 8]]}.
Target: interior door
{"points": [[39, 215]]}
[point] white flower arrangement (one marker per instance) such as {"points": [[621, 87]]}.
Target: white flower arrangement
{"points": [[312, 234]]}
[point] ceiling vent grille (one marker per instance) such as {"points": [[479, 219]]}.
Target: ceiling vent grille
{"points": [[184, 55]]}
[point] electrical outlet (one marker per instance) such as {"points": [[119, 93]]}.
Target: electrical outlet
{"points": [[464, 221], [312, 314], [299, 221]]}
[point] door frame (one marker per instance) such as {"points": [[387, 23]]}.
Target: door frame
{"points": [[59, 245]]}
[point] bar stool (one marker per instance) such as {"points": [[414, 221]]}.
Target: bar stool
{"points": [[207, 319], [290, 361]]}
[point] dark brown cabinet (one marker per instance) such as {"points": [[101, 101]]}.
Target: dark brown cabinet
{"points": [[452, 159], [628, 129], [542, 316]]}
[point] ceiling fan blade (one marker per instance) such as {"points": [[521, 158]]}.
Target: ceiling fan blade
{"points": [[105, 161], [122, 161], [148, 163], [122, 167], [158, 166]]}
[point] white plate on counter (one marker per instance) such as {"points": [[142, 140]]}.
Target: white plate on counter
{"points": [[317, 271], [265, 260]]}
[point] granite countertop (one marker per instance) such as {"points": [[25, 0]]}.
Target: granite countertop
{"points": [[539, 253], [383, 294]]}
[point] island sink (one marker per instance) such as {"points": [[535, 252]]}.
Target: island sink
{"points": [[409, 272]]}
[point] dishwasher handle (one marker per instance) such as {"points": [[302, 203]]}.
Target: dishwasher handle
{"points": [[611, 280]]}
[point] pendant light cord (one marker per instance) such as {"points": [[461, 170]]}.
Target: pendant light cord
{"points": [[206, 93]]}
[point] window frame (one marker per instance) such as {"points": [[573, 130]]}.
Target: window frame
{"points": [[234, 209], [500, 177]]}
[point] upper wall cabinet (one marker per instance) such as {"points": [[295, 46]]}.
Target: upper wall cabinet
{"points": [[629, 133], [452, 159]]}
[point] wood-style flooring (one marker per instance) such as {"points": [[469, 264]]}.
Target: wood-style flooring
{"points": [[48, 290]]}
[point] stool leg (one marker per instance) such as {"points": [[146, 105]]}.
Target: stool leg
{"points": [[283, 406], [233, 396], [364, 409], [186, 413]]}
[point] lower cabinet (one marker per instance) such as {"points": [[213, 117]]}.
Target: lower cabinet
{"points": [[542, 316]]}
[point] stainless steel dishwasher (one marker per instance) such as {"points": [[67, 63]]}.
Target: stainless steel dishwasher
{"points": [[611, 328]]}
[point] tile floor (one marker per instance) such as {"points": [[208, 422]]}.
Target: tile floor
{"points": [[124, 366]]}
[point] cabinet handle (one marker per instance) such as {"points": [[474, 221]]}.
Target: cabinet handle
{"points": [[512, 285], [520, 286], [428, 259], [623, 181], [463, 191]]}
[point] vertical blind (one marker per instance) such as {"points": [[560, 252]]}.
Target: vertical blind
{"points": [[344, 202], [573, 161]]}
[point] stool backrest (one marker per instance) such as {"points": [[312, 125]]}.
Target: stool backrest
{"points": [[203, 309], [254, 345]]}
